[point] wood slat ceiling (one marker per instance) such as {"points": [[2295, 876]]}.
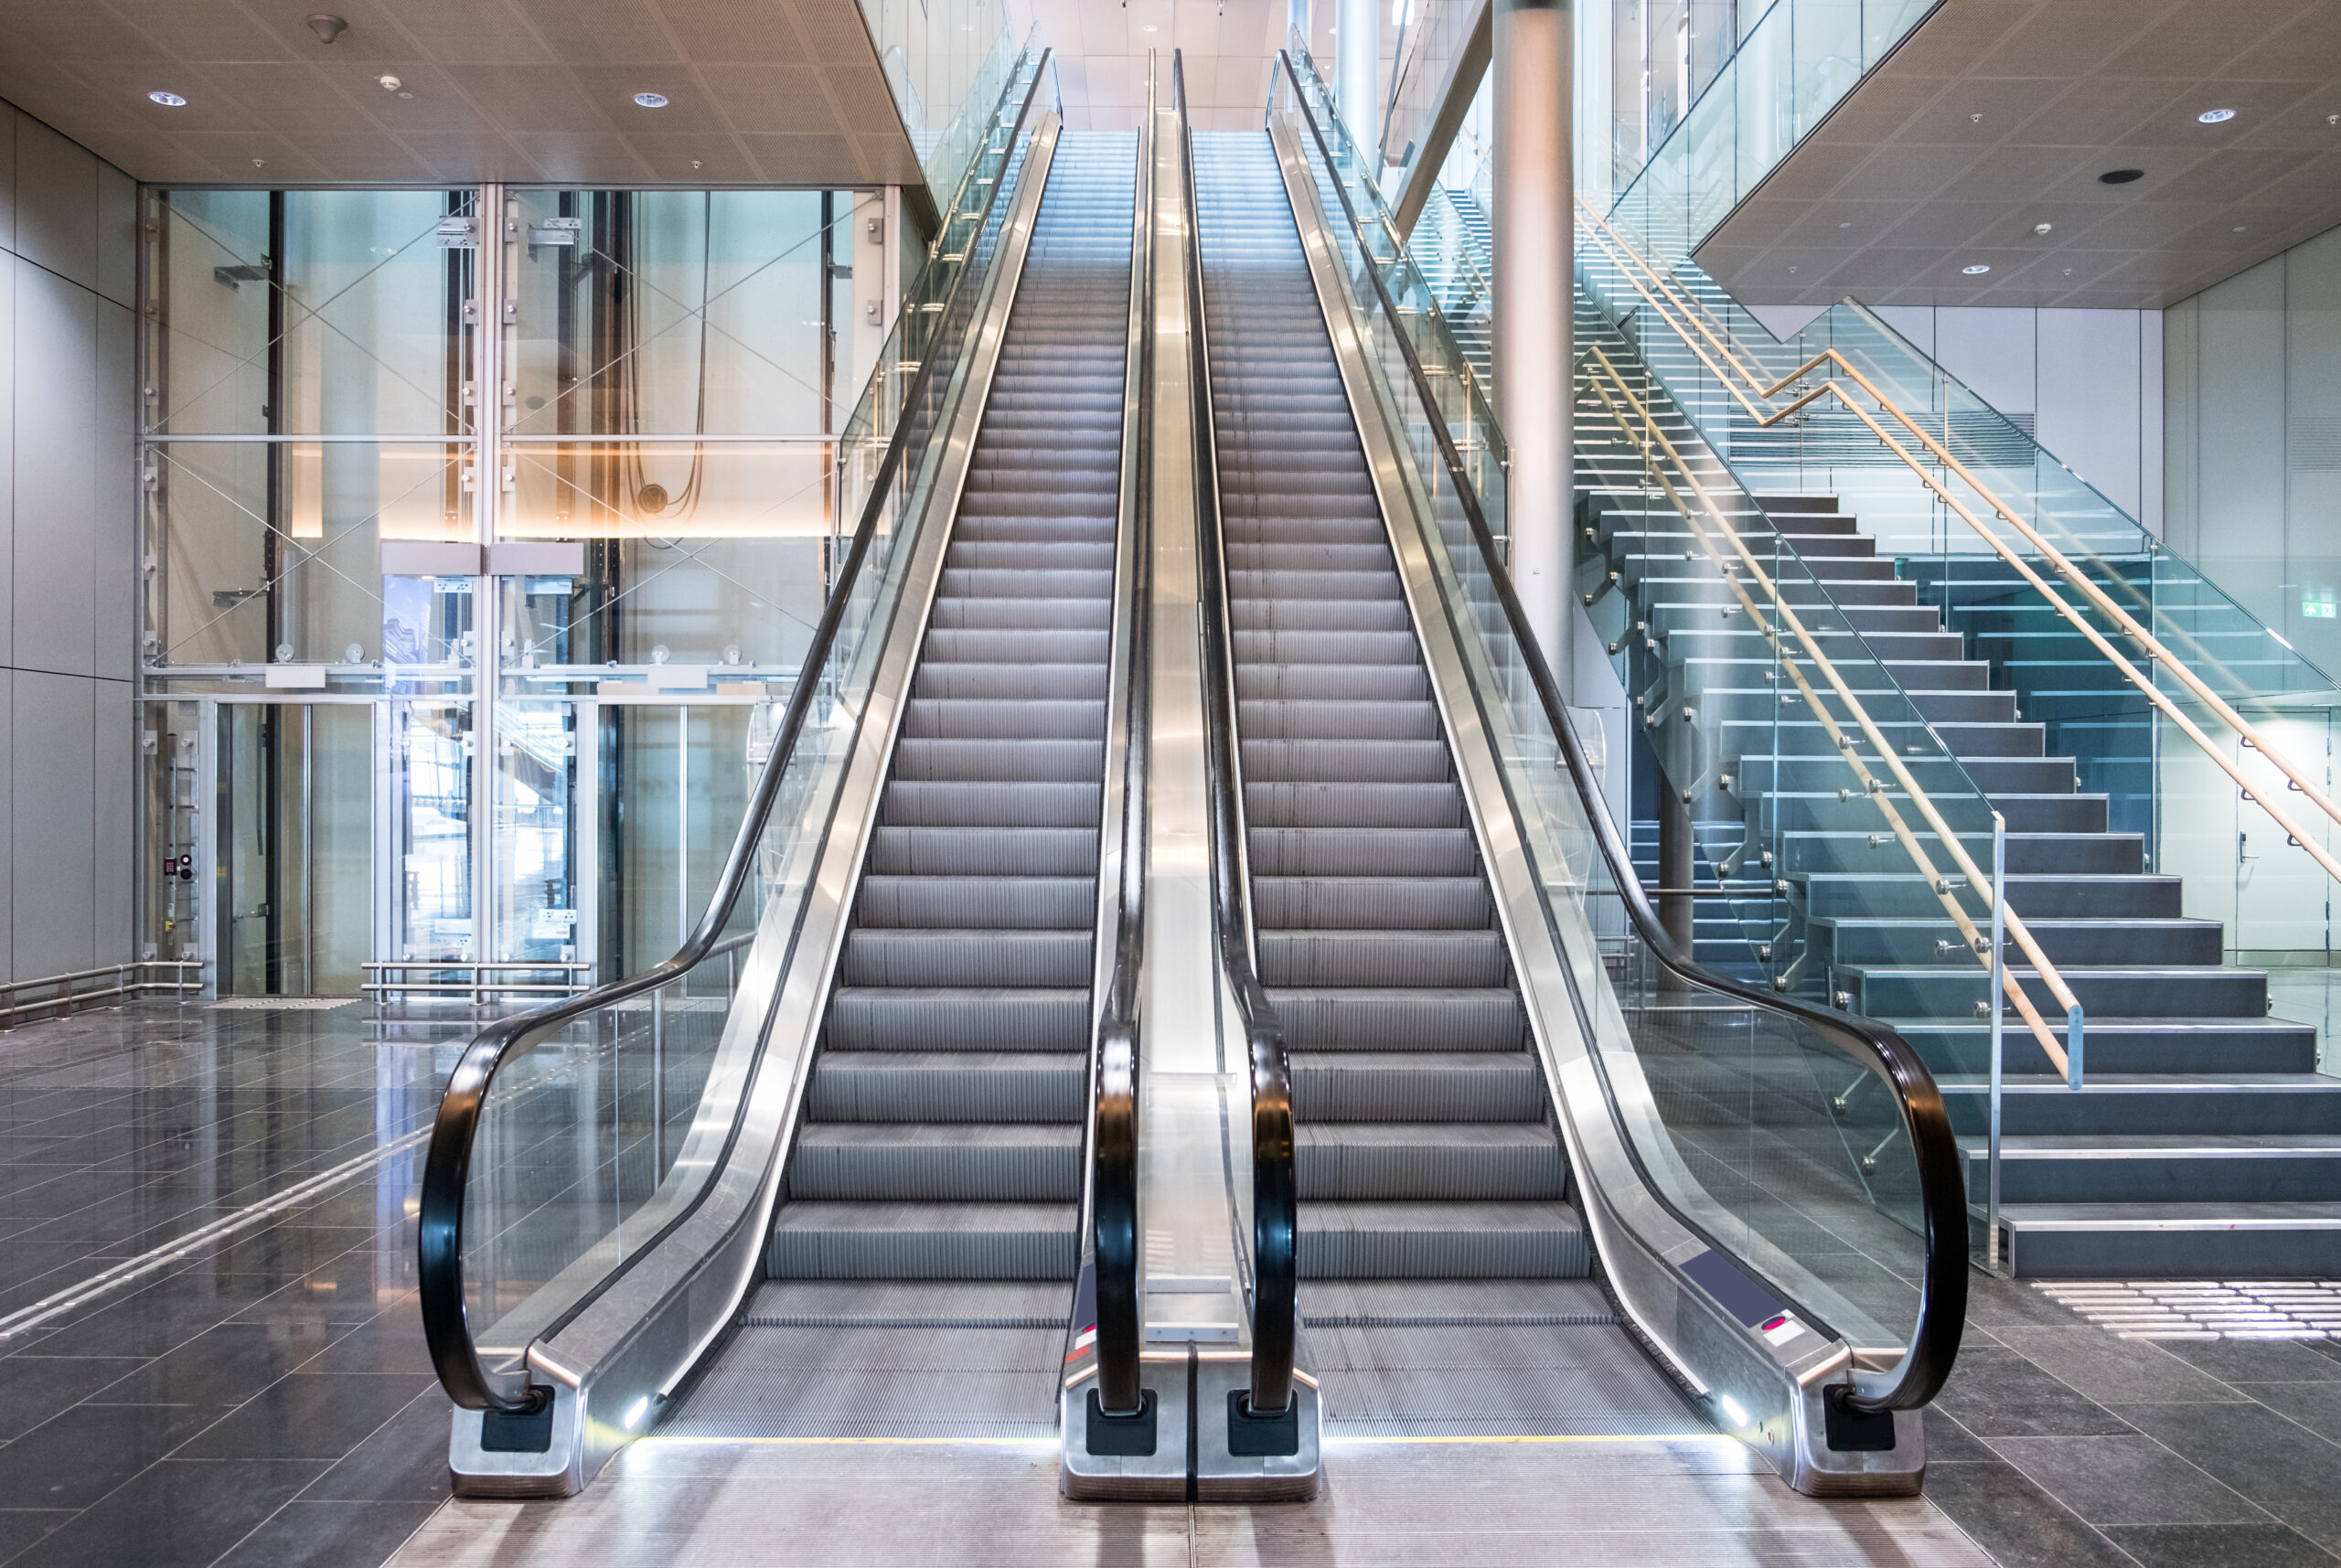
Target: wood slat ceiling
{"points": [[759, 91], [1998, 115]]}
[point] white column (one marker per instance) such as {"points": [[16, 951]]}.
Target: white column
{"points": [[1357, 81], [1296, 17], [1534, 268]]}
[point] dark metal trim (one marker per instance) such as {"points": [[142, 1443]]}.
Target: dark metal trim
{"points": [[1943, 1305], [1275, 1204], [1114, 1237], [446, 1172]]}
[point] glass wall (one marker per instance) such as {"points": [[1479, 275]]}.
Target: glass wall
{"points": [[439, 535]]}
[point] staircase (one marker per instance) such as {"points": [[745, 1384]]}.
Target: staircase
{"points": [[2203, 1142]]}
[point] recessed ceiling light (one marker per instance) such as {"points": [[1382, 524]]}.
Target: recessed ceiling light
{"points": [[1151, 28], [1977, 269], [2237, 229], [2041, 228], [1845, 225], [390, 83], [2215, 116], [2121, 177], [651, 100], [168, 100]]}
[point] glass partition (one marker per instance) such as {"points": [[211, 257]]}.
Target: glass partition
{"points": [[1774, 1132], [1718, 129]]}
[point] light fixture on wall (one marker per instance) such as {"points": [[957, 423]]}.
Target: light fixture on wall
{"points": [[167, 99], [1976, 269], [2215, 116], [651, 100]]}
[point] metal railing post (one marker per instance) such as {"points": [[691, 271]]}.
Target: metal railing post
{"points": [[1999, 1033]]}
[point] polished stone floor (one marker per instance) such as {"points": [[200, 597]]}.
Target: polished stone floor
{"points": [[266, 1399]]}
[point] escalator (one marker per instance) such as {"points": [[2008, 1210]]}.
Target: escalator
{"points": [[1556, 1178], [821, 1175], [870, 1158], [923, 1259], [1435, 1227]]}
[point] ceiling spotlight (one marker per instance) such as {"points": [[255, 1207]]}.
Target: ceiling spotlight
{"points": [[2121, 177], [651, 100], [2041, 228], [1845, 225], [1151, 28], [390, 83], [168, 100], [1977, 270], [327, 28], [2215, 116], [2237, 229]]}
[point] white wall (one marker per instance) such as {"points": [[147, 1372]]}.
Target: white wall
{"points": [[2253, 369], [2087, 383], [68, 498]]}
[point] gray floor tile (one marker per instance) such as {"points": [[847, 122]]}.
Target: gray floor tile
{"points": [[2126, 1480], [2017, 1522], [2220, 1546], [308, 1534], [2110, 1369], [2000, 1394]]}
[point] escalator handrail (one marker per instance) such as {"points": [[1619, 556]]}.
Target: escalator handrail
{"points": [[1942, 1304], [1112, 1151], [1275, 1203], [447, 1166]]}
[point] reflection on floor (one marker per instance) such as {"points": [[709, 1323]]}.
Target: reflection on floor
{"points": [[267, 1400], [1588, 1503]]}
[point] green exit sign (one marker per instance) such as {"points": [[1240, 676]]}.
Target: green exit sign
{"points": [[2318, 605]]}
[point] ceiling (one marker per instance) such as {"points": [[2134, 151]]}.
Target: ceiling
{"points": [[1998, 115], [1225, 46], [772, 91]]}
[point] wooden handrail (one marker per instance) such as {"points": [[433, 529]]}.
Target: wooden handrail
{"points": [[1653, 440], [1631, 262]]}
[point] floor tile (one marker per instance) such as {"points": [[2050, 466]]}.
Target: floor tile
{"points": [[2000, 1394], [309, 1534], [307, 1417], [178, 1513], [2220, 1546], [2127, 1480], [2255, 1360], [77, 1456], [404, 1461], [34, 1388], [2020, 1525], [2107, 1368], [2317, 1406]]}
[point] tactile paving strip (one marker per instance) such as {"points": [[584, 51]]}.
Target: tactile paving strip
{"points": [[2205, 1310]]}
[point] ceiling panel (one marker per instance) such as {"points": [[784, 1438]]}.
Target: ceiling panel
{"points": [[1999, 115], [778, 91]]}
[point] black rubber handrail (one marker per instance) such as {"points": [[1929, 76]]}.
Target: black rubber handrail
{"points": [[447, 1170], [1275, 1188], [1112, 1151], [1942, 1290]]}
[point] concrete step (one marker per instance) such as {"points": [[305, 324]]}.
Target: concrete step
{"points": [[2115, 1045], [2172, 1240], [2158, 1168], [2186, 1105]]}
